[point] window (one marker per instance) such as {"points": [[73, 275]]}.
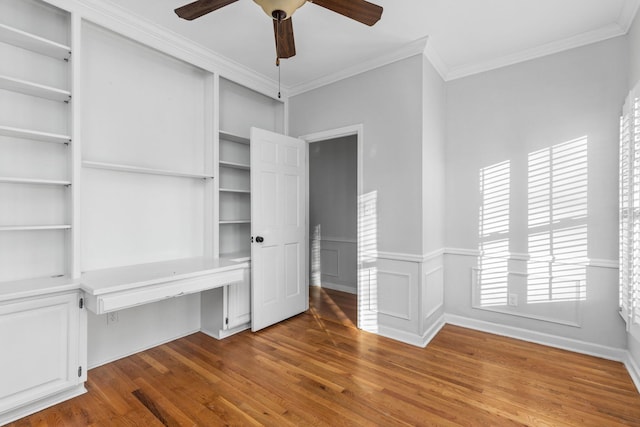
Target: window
{"points": [[557, 211], [629, 201], [493, 264]]}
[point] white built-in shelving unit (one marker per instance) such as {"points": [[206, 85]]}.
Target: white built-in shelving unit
{"points": [[39, 300], [35, 74]]}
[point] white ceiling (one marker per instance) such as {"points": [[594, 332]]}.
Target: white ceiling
{"points": [[464, 36]]}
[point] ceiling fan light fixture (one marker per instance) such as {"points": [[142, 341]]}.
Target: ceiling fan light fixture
{"points": [[274, 8]]}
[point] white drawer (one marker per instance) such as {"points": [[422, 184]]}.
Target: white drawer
{"points": [[127, 298]]}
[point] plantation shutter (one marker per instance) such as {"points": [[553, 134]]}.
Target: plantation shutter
{"points": [[629, 200]]}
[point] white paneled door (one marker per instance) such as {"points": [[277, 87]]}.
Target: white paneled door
{"points": [[279, 288]]}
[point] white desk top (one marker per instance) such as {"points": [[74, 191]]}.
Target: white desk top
{"points": [[99, 282]]}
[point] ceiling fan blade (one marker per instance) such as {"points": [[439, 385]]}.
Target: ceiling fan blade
{"points": [[285, 43], [198, 8], [359, 10]]}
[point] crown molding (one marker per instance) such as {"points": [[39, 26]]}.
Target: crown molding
{"points": [[628, 14], [115, 18], [436, 61], [601, 34], [416, 47]]}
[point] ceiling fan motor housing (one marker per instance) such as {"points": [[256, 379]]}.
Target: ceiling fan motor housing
{"points": [[276, 8]]}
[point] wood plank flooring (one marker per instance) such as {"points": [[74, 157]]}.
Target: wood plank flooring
{"points": [[318, 370]]}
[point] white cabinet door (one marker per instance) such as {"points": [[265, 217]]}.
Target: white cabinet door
{"points": [[279, 287], [239, 303], [40, 349]]}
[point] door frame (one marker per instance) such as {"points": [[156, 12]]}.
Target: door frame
{"points": [[358, 131]]}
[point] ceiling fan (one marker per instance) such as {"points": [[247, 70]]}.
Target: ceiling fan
{"points": [[281, 10]]}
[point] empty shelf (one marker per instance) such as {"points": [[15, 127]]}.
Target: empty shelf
{"points": [[234, 138], [34, 227], [13, 180], [137, 169], [235, 221], [34, 89], [34, 135], [231, 190], [33, 43], [234, 165]]}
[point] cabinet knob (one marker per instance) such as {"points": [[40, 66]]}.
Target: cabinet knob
{"points": [[259, 239]]}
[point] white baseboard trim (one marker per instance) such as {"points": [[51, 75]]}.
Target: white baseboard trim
{"points": [[342, 288], [139, 349], [433, 331], [634, 370], [398, 335], [221, 334], [41, 404], [412, 339], [597, 350]]}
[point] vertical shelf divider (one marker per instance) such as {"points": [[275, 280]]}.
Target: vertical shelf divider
{"points": [[75, 148], [210, 112], [215, 156]]}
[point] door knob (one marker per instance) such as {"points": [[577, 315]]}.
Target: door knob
{"points": [[259, 239]]}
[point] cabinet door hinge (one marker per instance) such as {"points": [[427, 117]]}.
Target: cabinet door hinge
{"points": [[79, 371], [81, 303]]}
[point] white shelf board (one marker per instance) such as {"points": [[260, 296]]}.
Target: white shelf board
{"points": [[233, 165], [34, 43], [40, 286], [237, 256], [34, 89], [13, 180], [34, 135], [231, 190], [137, 169], [34, 227], [227, 136], [235, 221]]}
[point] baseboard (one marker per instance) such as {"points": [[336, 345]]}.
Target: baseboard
{"points": [[138, 350], [398, 335], [413, 339], [433, 331], [221, 334], [577, 346], [39, 405], [341, 288], [634, 370]]}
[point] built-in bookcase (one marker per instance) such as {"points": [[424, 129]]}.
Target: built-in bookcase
{"points": [[240, 109], [234, 195], [35, 139]]}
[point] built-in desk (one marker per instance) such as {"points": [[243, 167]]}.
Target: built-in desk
{"points": [[124, 287]]}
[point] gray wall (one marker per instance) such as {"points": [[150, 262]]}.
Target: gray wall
{"points": [[433, 158], [510, 112], [333, 192], [634, 52], [387, 101], [333, 176]]}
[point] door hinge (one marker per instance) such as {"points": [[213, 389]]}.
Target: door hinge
{"points": [[79, 371], [226, 320], [81, 303]]}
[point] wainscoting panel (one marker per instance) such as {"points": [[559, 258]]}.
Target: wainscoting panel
{"points": [[394, 294], [338, 264]]}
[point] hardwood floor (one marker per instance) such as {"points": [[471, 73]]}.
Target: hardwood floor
{"points": [[318, 370]]}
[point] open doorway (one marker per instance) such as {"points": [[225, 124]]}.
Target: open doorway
{"points": [[334, 187]]}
